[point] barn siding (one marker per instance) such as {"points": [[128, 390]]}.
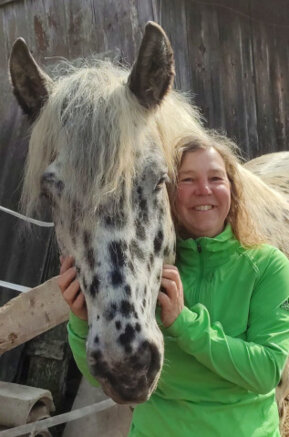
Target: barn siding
{"points": [[234, 57]]}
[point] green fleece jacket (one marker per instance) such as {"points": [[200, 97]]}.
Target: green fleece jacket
{"points": [[225, 352]]}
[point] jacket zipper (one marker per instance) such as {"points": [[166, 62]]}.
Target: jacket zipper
{"points": [[198, 291]]}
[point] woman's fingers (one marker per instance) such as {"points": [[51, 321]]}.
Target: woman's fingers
{"points": [[71, 292], [170, 296], [79, 303], [171, 273], [66, 263], [163, 298], [170, 267], [66, 278], [170, 287], [70, 288]]}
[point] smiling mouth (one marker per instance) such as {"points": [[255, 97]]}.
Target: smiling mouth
{"points": [[203, 207]]}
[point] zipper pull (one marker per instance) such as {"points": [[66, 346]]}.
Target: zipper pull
{"points": [[199, 247]]}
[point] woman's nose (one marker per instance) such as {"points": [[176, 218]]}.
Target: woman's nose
{"points": [[203, 188]]}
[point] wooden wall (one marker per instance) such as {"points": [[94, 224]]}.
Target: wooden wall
{"points": [[233, 55]]}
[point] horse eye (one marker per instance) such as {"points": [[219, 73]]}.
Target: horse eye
{"points": [[160, 183]]}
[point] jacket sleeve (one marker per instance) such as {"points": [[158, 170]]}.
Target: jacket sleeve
{"points": [[77, 333], [256, 363]]}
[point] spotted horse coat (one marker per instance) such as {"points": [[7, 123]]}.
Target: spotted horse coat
{"points": [[96, 155]]}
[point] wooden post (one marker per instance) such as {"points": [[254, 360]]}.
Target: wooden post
{"points": [[30, 314]]}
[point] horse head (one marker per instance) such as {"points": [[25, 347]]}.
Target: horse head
{"points": [[97, 153]]}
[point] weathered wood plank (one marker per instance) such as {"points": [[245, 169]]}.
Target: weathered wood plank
{"points": [[263, 54], [30, 314], [237, 75]]}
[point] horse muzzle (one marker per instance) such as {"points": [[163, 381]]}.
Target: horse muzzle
{"points": [[131, 380]]}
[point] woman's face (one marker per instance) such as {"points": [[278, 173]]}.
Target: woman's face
{"points": [[203, 195]]}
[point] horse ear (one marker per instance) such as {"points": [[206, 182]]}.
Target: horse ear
{"points": [[153, 72], [30, 84]]}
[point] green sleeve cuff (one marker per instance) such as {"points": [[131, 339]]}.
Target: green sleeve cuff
{"points": [[77, 326], [185, 318]]}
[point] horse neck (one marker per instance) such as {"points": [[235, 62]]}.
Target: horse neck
{"points": [[269, 209]]}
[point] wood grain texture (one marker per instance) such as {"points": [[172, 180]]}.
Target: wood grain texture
{"points": [[30, 314], [233, 56]]}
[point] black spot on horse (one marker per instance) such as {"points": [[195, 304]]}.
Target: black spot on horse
{"points": [[110, 312], [161, 213], [117, 220], [126, 308], [73, 227], [117, 253], [84, 282], [73, 230], [152, 258], [100, 369], [96, 339], [94, 287], [127, 336], [131, 267], [118, 325], [137, 327], [158, 241], [156, 203], [116, 278], [143, 207], [135, 250], [142, 204], [144, 302], [90, 258], [139, 230], [174, 247], [127, 289], [166, 251], [86, 239], [113, 214]]}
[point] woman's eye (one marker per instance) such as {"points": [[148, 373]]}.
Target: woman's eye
{"points": [[216, 178], [187, 180]]}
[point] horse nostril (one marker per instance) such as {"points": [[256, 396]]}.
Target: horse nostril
{"points": [[155, 363], [147, 358]]}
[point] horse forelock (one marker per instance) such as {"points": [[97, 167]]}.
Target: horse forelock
{"points": [[92, 125]]}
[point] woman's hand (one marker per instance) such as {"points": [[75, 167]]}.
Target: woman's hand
{"points": [[171, 299], [70, 288]]}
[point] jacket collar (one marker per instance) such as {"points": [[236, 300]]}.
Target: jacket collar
{"points": [[222, 246]]}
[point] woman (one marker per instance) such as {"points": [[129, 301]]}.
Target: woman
{"points": [[223, 310]]}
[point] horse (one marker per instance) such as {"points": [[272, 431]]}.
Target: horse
{"points": [[102, 151]]}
